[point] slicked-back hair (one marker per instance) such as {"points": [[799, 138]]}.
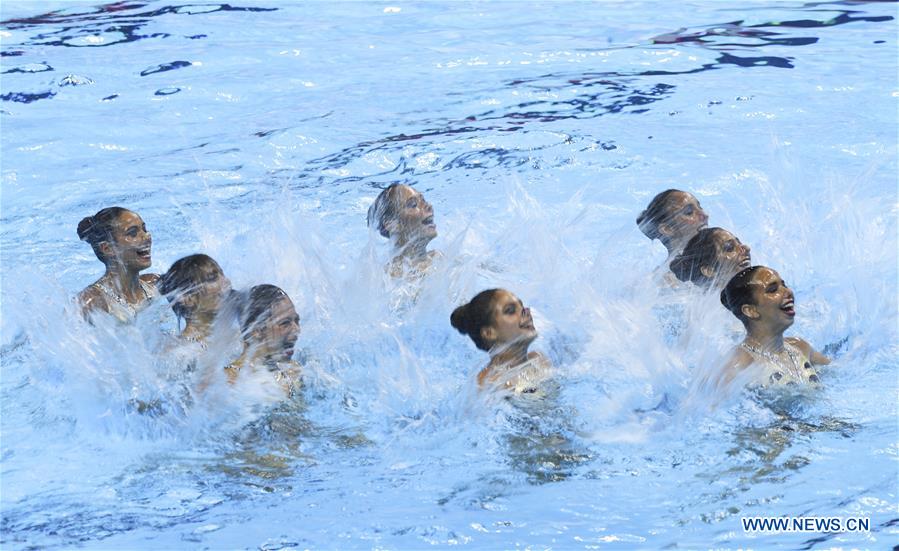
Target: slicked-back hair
{"points": [[97, 229], [656, 213]]}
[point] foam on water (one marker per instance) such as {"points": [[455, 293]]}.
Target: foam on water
{"points": [[535, 149]]}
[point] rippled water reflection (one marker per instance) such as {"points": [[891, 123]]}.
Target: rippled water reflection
{"points": [[260, 133]]}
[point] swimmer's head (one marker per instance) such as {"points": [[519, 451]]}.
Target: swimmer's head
{"points": [[759, 296], [673, 217], [194, 284], [713, 254], [495, 318], [270, 323], [403, 215], [118, 236]]}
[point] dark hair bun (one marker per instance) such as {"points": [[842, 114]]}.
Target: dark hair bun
{"points": [[84, 227], [681, 267], [459, 319], [655, 214]]}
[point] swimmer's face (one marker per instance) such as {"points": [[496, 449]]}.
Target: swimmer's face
{"points": [[277, 335], [684, 217], [414, 216], [209, 295], [131, 242], [732, 256], [774, 305], [512, 322]]}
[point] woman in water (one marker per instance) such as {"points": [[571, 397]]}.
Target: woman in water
{"points": [[499, 324], [760, 299], [402, 215], [122, 243], [672, 217], [270, 327], [197, 289], [711, 258]]}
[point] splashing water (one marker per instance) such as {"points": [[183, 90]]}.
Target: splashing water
{"points": [[538, 138]]}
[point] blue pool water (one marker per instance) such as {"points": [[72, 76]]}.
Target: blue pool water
{"points": [[260, 132]]}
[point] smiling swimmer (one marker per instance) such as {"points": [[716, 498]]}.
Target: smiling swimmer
{"points": [[711, 258], [402, 215], [270, 327], [122, 243], [760, 299], [499, 324]]}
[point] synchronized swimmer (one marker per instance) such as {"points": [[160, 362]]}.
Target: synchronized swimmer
{"points": [[267, 325]]}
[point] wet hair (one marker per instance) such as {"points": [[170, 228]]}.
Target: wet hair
{"points": [[259, 303], [97, 229], [185, 276], [656, 214], [738, 292], [701, 250], [470, 318], [384, 209]]}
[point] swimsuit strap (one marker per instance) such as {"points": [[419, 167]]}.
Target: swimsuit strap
{"points": [[795, 365], [148, 289], [118, 300]]}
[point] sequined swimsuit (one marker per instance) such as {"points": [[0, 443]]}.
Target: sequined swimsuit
{"points": [[121, 309], [798, 369]]}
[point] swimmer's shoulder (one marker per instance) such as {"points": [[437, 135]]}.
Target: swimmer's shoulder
{"points": [[91, 299], [540, 359], [232, 370], [483, 375], [291, 369], [815, 357], [738, 360], [152, 279]]}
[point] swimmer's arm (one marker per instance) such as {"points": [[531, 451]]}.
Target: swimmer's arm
{"points": [[815, 357]]}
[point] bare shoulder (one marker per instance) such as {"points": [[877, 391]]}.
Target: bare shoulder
{"points": [[809, 351], [484, 376], [150, 278], [796, 341], [92, 299], [540, 358], [232, 371], [293, 369], [738, 360]]}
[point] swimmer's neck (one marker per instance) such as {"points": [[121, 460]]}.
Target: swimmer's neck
{"points": [[123, 281], [674, 247], [257, 356], [411, 250], [768, 341], [509, 356], [198, 325]]}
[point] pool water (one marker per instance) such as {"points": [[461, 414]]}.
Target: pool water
{"points": [[260, 132]]}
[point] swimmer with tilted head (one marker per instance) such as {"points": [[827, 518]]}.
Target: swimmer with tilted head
{"points": [[711, 258], [197, 289], [672, 217], [760, 299], [270, 327], [402, 215], [122, 243], [499, 324]]}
